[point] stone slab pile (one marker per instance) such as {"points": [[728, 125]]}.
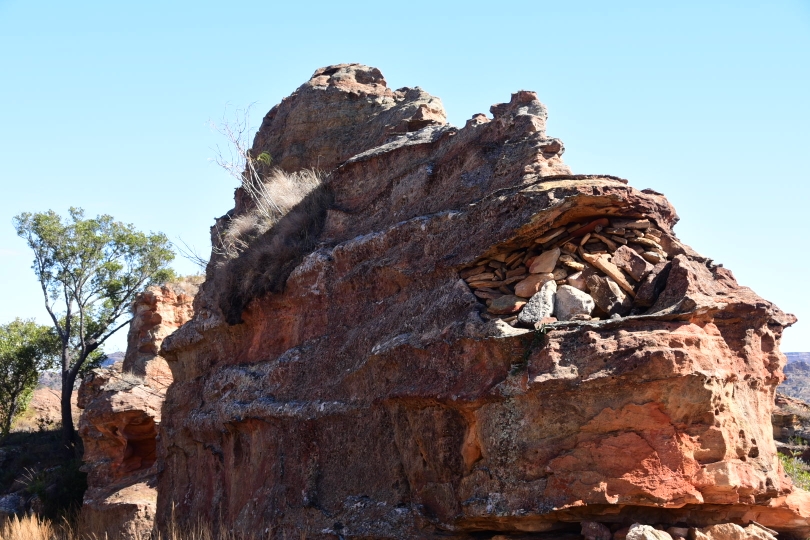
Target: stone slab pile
{"points": [[587, 270], [592, 530]]}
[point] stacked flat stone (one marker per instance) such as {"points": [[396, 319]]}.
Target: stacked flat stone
{"points": [[602, 268]]}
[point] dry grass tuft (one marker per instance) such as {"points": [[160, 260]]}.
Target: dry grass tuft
{"points": [[30, 528], [274, 196], [260, 247], [34, 528]]}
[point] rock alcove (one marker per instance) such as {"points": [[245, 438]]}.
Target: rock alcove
{"points": [[591, 269]]}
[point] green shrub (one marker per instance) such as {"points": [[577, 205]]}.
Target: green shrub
{"points": [[797, 470]]}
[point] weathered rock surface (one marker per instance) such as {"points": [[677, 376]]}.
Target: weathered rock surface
{"points": [[342, 111], [122, 414], [374, 396]]}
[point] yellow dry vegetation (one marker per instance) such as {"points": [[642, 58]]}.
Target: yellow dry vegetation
{"points": [[33, 528]]}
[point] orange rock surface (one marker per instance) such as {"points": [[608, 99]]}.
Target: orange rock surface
{"points": [[122, 413], [370, 396]]}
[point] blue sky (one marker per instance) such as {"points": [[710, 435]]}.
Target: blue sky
{"points": [[107, 107]]}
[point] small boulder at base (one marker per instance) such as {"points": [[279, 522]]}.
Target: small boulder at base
{"points": [[540, 305], [506, 305], [592, 530], [570, 302], [646, 532]]}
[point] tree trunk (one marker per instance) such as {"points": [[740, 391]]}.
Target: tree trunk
{"points": [[6, 427], [68, 431]]}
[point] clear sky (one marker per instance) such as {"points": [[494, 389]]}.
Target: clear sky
{"points": [[106, 105]]}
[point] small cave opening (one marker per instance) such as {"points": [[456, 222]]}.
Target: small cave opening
{"points": [[140, 445], [603, 267]]}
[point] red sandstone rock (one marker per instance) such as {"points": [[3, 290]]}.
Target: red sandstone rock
{"points": [[122, 414], [369, 397]]}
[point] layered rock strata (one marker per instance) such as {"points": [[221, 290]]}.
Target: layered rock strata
{"points": [[122, 413], [377, 395]]}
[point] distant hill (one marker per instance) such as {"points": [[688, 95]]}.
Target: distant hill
{"points": [[52, 379], [798, 357], [118, 356], [797, 381]]}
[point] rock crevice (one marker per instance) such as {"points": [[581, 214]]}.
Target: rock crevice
{"points": [[121, 417]]}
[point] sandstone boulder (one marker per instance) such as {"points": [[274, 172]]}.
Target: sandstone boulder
{"points": [[374, 396], [610, 298], [545, 263], [631, 262], [121, 417]]}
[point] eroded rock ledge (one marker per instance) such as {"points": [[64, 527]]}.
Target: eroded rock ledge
{"points": [[121, 417], [374, 396]]}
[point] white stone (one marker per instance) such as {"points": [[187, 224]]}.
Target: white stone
{"points": [[570, 302], [540, 305], [646, 532]]}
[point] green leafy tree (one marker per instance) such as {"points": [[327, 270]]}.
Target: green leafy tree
{"points": [[26, 349], [90, 270]]}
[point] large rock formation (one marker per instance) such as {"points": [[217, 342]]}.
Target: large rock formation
{"points": [[122, 414], [376, 393]]}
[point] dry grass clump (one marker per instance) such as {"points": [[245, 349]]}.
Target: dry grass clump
{"points": [[255, 251], [33, 528], [28, 528], [259, 248], [188, 285], [274, 196]]}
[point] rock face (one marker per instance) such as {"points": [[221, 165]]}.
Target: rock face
{"points": [[122, 415], [377, 396], [316, 127]]}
